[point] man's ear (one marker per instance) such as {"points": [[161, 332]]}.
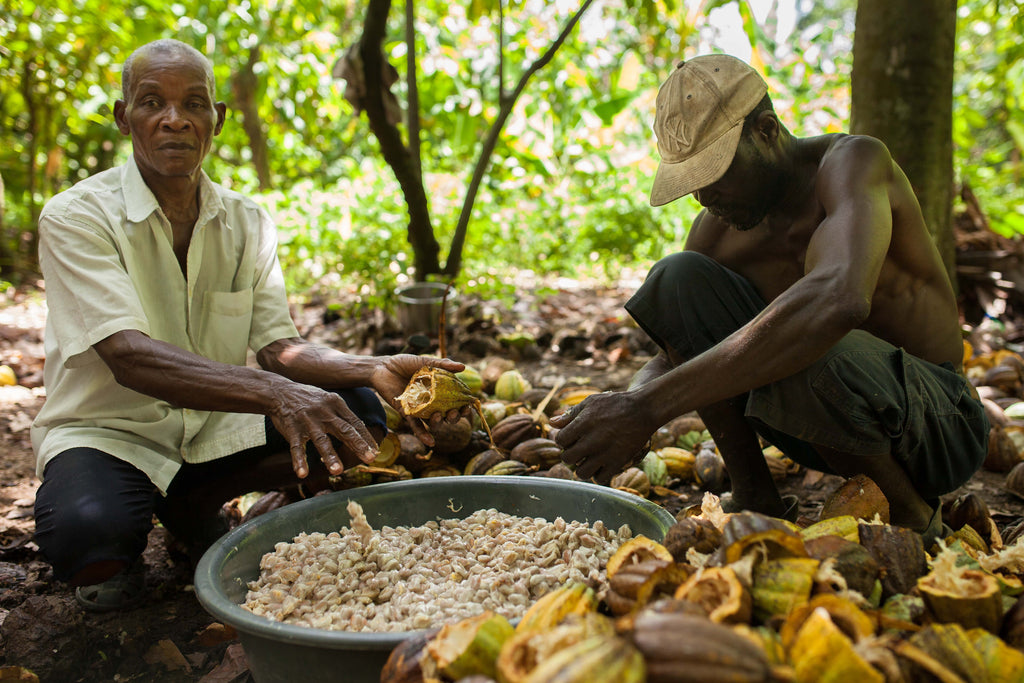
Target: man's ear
{"points": [[222, 110], [767, 126], [121, 117]]}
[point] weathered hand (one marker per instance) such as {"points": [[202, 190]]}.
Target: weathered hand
{"points": [[393, 375], [307, 414], [603, 435]]}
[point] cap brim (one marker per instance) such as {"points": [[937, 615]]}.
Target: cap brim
{"points": [[673, 181]]}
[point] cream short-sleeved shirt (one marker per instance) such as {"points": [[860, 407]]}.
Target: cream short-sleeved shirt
{"points": [[105, 249]]}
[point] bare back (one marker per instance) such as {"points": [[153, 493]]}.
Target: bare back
{"points": [[912, 304]]}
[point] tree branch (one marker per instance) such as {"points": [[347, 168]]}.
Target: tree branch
{"points": [[454, 261]]}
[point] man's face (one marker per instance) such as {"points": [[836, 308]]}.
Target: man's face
{"points": [[171, 116], [746, 193]]}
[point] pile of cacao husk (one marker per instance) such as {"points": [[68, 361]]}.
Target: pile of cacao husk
{"points": [[746, 597]]}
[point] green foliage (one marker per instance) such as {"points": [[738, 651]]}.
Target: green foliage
{"points": [[566, 190], [988, 121]]}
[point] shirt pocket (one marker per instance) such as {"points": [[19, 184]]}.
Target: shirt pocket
{"points": [[226, 318]]}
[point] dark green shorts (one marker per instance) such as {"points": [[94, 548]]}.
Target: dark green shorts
{"points": [[864, 397]]}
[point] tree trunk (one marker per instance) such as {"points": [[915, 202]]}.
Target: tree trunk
{"points": [[903, 95], [407, 169], [243, 87]]}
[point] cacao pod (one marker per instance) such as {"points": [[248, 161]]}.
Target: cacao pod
{"points": [[679, 462], [655, 469], [509, 468], [403, 664], [635, 550], [692, 532], [709, 470], [521, 653], [551, 608], [470, 646], [683, 648], [595, 659], [822, 652], [632, 478], [859, 497], [538, 452], [515, 429], [433, 390], [719, 593], [484, 460], [510, 386], [900, 551]]}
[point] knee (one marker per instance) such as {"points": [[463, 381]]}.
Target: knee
{"points": [[685, 266], [74, 532]]}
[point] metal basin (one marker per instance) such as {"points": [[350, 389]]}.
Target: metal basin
{"points": [[286, 653]]}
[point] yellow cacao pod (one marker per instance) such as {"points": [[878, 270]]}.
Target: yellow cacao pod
{"points": [[599, 659], [554, 606], [433, 390]]}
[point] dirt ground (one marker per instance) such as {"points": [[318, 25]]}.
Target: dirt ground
{"points": [[581, 335]]}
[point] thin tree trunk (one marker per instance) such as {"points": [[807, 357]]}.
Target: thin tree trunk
{"points": [[244, 85], [903, 94], [420, 232], [454, 261]]}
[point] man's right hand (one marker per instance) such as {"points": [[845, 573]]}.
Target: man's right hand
{"points": [[305, 414]]}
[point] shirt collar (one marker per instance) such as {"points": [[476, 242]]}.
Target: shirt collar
{"points": [[140, 202]]}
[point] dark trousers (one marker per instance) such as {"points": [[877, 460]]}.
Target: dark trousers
{"points": [[93, 506]]}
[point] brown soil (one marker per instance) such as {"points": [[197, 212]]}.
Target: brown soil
{"points": [[582, 336]]}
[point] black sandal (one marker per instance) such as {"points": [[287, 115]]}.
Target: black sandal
{"points": [[124, 590]]}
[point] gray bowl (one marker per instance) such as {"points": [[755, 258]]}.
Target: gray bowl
{"points": [[285, 652]]}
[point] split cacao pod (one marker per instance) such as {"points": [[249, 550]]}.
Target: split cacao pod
{"points": [[433, 390], [470, 646], [859, 497], [719, 593], [598, 659], [554, 606], [692, 532], [525, 650], [635, 585], [636, 550]]}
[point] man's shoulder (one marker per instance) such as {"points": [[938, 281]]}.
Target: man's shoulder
{"points": [[94, 190]]}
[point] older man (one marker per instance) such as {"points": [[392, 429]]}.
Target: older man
{"points": [[809, 308], [158, 282]]}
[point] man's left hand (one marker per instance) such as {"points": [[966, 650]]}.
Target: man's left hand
{"points": [[603, 435]]}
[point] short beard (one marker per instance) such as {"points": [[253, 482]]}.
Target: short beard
{"points": [[768, 182]]}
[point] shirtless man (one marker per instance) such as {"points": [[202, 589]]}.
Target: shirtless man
{"points": [[809, 307]]}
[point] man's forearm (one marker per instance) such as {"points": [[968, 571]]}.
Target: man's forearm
{"points": [[315, 364], [188, 380]]}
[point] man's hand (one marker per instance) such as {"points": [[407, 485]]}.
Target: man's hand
{"points": [[393, 375], [307, 414], [603, 435]]}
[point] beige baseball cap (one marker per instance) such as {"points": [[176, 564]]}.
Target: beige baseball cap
{"points": [[698, 121]]}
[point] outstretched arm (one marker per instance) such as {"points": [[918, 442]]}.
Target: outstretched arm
{"points": [[301, 411]]}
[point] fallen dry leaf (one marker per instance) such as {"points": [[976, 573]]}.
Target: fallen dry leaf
{"points": [[167, 654]]}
